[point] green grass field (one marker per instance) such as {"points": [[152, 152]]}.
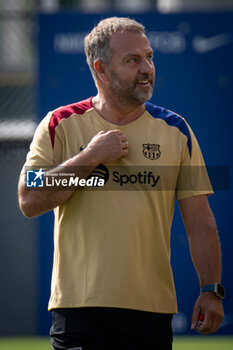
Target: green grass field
{"points": [[180, 343]]}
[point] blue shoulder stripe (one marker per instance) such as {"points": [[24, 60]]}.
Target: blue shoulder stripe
{"points": [[171, 119]]}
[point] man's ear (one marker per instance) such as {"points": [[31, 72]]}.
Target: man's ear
{"points": [[100, 68]]}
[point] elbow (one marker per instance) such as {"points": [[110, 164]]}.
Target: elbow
{"points": [[27, 209], [27, 201]]}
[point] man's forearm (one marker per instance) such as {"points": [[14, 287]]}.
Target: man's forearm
{"points": [[203, 239], [35, 202], [105, 146], [205, 250]]}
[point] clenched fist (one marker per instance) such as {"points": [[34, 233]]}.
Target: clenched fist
{"points": [[108, 146]]}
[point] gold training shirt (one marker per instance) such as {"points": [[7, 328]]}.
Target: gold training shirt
{"points": [[112, 246]]}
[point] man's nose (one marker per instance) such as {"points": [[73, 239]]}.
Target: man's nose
{"points": [[147, 66]]}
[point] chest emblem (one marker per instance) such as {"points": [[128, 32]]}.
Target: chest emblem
{"points": [[151, 151]]}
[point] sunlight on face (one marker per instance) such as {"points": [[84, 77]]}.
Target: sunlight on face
{"points": [[130, 91], [131, 69]]}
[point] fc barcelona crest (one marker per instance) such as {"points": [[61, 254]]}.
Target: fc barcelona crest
{"points": [[151, 151]]}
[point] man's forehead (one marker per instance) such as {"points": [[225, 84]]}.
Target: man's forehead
{"points": [[129, 41]]}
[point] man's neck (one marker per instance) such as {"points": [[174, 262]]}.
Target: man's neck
{"points": [[116, 112]]}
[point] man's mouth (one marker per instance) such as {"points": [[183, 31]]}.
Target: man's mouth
{"points": [[144, 82]]}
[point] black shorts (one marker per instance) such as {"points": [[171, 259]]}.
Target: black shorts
{"points": [[98, 328]]}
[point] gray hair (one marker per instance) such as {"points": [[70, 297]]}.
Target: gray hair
{"points": [[97, 42]]}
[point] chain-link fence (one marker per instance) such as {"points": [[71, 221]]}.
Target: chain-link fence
{"points": [[18, 249], [18, 256]]}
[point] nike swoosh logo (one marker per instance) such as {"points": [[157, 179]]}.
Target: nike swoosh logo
{"points": [[204, 45]]}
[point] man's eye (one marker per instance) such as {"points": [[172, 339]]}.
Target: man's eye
{"points": [[132, 59]]}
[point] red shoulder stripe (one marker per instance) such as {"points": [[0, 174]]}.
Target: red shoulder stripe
{"points": [[66, 112]]}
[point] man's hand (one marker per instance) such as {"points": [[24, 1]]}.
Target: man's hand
{"points": [[108, 146], [211, 308]]}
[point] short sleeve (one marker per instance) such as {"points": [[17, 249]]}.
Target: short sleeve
{"points": [[43, 154], [193, 179]]}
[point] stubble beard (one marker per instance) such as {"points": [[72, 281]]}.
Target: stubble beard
{"points": [[130, 92]]}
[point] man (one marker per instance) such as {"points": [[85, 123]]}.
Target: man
{"points": [[112, 285]]}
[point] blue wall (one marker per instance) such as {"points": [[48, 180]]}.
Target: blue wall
{"points": [[194, 63]]}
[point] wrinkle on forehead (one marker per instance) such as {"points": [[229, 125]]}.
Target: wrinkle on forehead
{"points": [[129, 42]]}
